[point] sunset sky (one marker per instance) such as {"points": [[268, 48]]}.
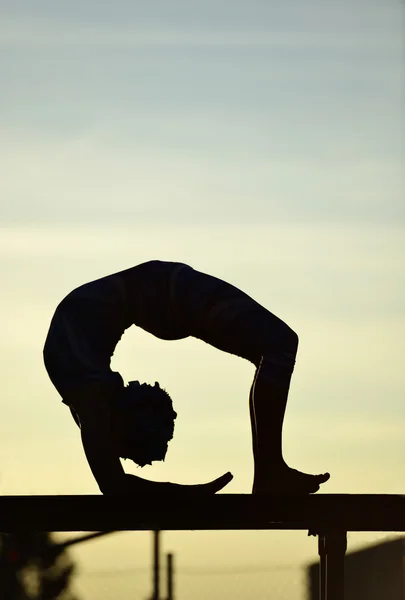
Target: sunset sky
{"points": [[257, 141]]}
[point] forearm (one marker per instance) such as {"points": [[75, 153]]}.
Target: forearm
{"points": [[104, 464]]}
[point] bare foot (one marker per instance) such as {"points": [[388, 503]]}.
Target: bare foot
{"points": [[137, 485], [288, 481], [212, 487]]}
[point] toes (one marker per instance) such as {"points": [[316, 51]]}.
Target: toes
{"points": [[220, 482]]}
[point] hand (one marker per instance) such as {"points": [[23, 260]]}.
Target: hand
{"points": [[137, 485]]}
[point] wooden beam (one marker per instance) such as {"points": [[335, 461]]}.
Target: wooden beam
{"points": [[317, 513]]}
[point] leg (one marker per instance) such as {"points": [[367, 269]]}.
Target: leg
{"points": [[233, 322], [267, 403], [268, 399]]}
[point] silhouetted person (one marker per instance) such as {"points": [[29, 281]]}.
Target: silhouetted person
{"points": [[171, 301]]}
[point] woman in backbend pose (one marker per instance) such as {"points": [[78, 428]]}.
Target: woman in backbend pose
{"points": [[171, 301]]}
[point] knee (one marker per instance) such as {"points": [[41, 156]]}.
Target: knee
{"points": [[281, 354], [284, 342], [290, 341]]}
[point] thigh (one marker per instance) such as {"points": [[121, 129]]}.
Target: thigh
{"points": [[228, 319], [249, 332]]}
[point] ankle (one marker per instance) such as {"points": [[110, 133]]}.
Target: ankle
{"points": [[264, 471]]}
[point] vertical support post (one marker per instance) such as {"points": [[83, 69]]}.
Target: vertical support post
{"points": [[156, 565], [332, 549], [170, 595], [336, 545], [322, 566]]}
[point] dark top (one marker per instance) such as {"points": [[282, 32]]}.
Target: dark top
{"points": [[169, 300]]}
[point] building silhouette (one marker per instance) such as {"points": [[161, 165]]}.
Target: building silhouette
{"points": [[373, 573]]}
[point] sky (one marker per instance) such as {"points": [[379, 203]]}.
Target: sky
{"points": [[259, 142]]}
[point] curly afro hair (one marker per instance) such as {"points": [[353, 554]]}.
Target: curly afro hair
{"points": [[148, 422]]}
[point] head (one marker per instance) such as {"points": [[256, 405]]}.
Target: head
{"points": [[144, 423]]}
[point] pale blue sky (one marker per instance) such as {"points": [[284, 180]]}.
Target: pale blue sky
{"points": [[259, 142], [187, 110]]}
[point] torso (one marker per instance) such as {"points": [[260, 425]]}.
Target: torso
{"points": [[151, 299], [167, 299]]}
